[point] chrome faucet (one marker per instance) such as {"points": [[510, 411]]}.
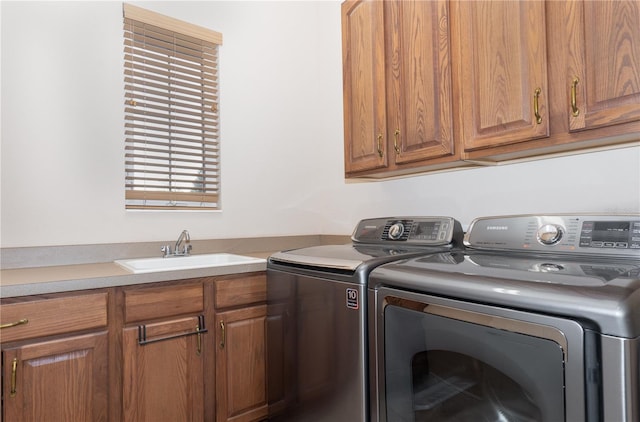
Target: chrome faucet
{"points": [[178, 249]]}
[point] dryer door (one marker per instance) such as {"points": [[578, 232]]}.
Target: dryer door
{"points": [[447, 363]]}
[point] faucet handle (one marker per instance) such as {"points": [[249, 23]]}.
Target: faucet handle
{"points": [[166, 249], [187, 248]]}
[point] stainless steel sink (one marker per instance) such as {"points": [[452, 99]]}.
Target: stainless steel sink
{"points": [[148, 265]]}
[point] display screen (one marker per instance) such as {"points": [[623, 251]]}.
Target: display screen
{"points": [[426, 228], [610, 231], [426, 231]]}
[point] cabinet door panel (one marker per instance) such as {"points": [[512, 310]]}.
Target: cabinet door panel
{"points": [[163, 380], [364, 85], [241, 365], [57, 380], [605, 59], [502, 46], [419, 79]]}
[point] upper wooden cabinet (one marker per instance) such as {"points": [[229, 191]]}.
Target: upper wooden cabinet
{"points": [[603, 67], [583, 56], [502, 68], [397, 86], [419, 106], [436, 84], [365, 127]]}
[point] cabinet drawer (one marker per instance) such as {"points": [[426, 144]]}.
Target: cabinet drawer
{"points": [[161, 302], [241, 290], [54, 316]]}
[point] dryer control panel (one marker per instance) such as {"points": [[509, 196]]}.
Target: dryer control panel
{"points": [[579, 234], [417, 231]]}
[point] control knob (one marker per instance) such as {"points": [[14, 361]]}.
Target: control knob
{"points": [[549, 234], [395, 231]]}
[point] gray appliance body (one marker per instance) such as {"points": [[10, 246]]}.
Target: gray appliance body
{"points": [[317, 316], [512, 328]]}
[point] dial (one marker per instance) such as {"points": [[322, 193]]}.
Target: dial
{"points": [[395, 231], [549, 234]]}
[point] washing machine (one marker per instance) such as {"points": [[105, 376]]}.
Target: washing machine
{"points": [[317, 340]]}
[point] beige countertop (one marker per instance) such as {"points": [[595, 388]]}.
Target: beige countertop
{"points": [[41, 270], [62, 278]]}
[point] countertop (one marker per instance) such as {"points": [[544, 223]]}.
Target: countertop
{"points": [[41, 270], [64, 278]]}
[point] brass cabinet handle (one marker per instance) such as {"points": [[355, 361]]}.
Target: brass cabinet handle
{"points": [[536, 109], [13, 324], [380, 152], [14, 370], [222, 341], [396, 135], [575, 111]]}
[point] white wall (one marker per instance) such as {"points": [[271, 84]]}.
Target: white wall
{"points": [[62, 123]]}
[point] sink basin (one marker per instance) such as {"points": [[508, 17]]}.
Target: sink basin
{"points": [[148, 265]]}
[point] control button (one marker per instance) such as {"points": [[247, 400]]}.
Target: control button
{"points": [[609, 244], [395, 231], [549, 234], [622, 245], [597, 244]]}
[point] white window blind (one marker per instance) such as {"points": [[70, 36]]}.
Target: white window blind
{"points": [[172, 157]]}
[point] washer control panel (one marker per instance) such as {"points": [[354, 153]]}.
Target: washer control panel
{"points": [[580, 234], [418, 231]]}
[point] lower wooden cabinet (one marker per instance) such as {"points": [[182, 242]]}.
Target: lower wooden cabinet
{"points": [[57, 380], [163, 350], [241, 394], [54, 358], [163, 371], [185, 350], [240, 358]]}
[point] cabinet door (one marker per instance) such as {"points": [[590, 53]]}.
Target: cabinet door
{"points": [[419, 80], [163, 379], [502, 72], [241, 365], [364, 85], [56, 380], [604, 62]]}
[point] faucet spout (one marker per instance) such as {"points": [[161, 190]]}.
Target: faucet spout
{"points": [[184, 237]]}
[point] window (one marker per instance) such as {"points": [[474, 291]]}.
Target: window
{"points": [[172, 158]]}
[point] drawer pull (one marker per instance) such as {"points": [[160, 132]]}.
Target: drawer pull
{"points": [[14, 370], [142, 333], [13, 324]]}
